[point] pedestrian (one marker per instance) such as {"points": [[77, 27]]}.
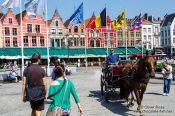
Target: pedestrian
{"points": [[5, 66], [34, 86], [167, 77], [13, 76], [59, 91], [56, 63]]}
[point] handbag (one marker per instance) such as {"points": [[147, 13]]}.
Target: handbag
{"points": [[57, 111], [34, 93]]}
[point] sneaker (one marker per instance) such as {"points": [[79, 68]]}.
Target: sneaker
{"points": [[167, 94], [164, 94]]}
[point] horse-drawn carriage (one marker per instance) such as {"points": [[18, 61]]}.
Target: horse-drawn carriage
{"points": [[110, 79], [128, 79]]}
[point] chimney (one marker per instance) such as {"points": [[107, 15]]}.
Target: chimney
{"points": [[159, 19], [146, 16]]}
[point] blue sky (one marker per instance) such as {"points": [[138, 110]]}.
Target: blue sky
{"points": [[114, 7]]}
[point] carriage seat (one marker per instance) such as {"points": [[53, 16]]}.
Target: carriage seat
{"points": [[116, 70]]}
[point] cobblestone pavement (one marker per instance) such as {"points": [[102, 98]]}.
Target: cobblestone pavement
{"points": [[87, 84]]}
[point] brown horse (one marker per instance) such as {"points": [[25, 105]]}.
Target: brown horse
{"points": [[145, 71], [126, 82], [139, 76]]}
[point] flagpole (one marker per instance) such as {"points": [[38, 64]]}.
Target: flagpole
{"points": [[22, 42], [48, 60], [85, 50], [106, 32], [141, 34], [126, 42]]}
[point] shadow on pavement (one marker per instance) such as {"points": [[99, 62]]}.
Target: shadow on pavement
{"points": [[115, 105], [161, 83], [153, 93]]}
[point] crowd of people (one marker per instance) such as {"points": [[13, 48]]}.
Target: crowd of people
{"points": [[13, 76]]}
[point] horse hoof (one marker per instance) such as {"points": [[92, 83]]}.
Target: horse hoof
{"points": [[131, 104], [141, 113], [128, 106]]}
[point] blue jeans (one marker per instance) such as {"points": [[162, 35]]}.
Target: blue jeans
{"points": [[167, 84], [173, 76]]}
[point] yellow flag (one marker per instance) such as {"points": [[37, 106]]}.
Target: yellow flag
{"points": [[98, 21], [120, 21]]}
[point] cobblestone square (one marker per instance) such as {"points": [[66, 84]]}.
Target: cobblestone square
{"points": [[88, 87]]}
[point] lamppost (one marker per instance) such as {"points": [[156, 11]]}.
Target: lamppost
{"points": [[68, 53], [68, 48]]}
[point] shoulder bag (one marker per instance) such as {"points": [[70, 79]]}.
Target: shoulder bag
{"points": [[34, 93], [57, 111]]}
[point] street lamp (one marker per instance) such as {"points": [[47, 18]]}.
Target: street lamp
{"points": [[68, 53], [68, 47]]}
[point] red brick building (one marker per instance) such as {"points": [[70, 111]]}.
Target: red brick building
{"points": [[100, 37]]}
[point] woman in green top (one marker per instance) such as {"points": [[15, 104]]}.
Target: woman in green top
{"points": [[63, 97]]}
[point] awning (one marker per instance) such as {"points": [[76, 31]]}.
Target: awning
{"points": [[15, 53], [138, 55]]}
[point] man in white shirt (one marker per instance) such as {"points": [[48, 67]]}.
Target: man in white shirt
{"points": [[167, 76]]}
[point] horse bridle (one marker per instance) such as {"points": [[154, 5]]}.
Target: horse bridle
{"points": [[147, 68]]}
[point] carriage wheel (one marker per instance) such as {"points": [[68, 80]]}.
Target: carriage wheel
{"points": [[102, 85], [106, 98], [106, 94]]}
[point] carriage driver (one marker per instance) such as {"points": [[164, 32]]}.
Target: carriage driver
{"points": [[112, 59]]}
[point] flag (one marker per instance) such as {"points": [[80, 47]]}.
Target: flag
{"points": [[137, 23], [35, 7], [98, 21], [10, 4], [77, 17], [101, 19], [91, 23], [120, 21]]}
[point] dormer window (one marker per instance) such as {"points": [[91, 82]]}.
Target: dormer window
{"points": [[76, 29], [56, 23], [10, 20], [108, 26]]}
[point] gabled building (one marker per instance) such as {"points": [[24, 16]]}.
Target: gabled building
{"points": [[57, 31], [34, 31], [168, 34], [102, 37], [10, 30], [1, 16], [75, 35]]}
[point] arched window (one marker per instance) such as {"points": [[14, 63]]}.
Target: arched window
{"points": [[76, 29], [82, 41], [70, 41], [91, 43], [56, 23], [75, 42], [97, 43], [91, 33], [98, 33]]}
